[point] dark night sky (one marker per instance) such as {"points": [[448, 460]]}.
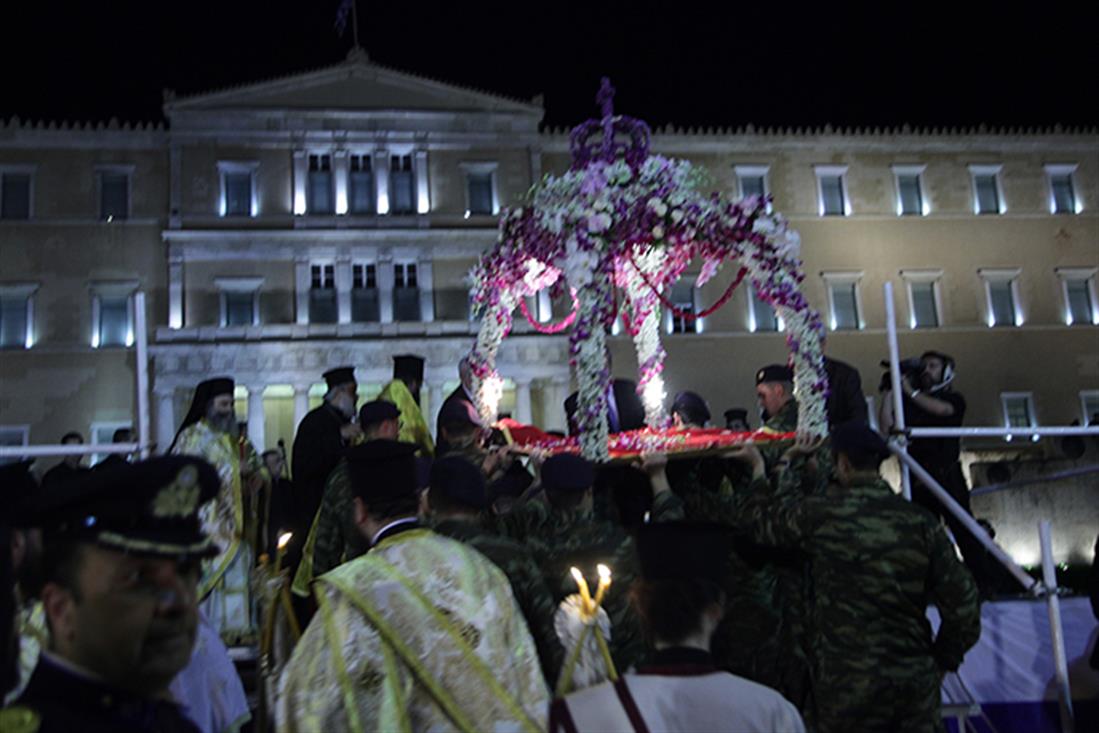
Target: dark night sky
{"points": [[766, 63]]}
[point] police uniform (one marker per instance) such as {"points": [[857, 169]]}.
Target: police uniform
{"points": [[149, 508]]}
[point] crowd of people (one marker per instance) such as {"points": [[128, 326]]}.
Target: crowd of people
{"points": [[779, 587]]}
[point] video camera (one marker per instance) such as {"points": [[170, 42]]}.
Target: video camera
{"points": [[911, 367]]}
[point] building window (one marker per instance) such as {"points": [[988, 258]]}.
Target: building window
{"points": [[832, 190], [1062, 191], [480, 193], [751, 180], [924, 303], [362, 184], [17, 315], [761, 315], [238, 195], [320, 198], [1089, 405], [12, 436], [113, 314], [322, 294], [364, 294], [910, 199], [16, 187], [682, 296], [114, 193], [406, 292], [1002, 296], [239, 300], [1078, 288], [402, 185], [1018, 411], [843, 300], [987, 198]]}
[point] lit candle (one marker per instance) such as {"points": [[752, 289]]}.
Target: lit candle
{"points": [[284, 540], [604, 583], [585, 595]]}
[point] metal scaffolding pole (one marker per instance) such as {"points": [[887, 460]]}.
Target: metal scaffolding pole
{"points": [[1056, 630], [899, 439]]}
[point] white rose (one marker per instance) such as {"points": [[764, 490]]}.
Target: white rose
{"points": [[658, 232]]}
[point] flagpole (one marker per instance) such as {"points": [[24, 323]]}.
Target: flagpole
{"points": [[355, 22]]}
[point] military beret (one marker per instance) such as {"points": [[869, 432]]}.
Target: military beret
{"points": [[383, 470], [340, 375], [145, 508], [692, 407], [859, 442], [376, 411], [567, 473], [460, 481], [683, 550], [775, 373]]}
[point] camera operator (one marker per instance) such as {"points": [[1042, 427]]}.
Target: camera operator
{"points": [[930, 401]]}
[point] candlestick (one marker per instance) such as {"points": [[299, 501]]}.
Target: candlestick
{"points": [[585, 595], [604, 584]]}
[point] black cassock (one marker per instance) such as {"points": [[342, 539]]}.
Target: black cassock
{"points": [[318, 447]]}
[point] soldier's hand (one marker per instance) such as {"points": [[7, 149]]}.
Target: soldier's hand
{"points": [[748, 454], [804, 445], [653, 462]]}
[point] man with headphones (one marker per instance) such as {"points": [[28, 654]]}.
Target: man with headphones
{"points": [[931, 401]]}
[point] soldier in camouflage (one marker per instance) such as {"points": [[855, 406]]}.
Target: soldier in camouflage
{"points": [[877, 562], [564, 533], [456, 501]]}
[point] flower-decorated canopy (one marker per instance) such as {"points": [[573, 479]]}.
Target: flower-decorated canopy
{"points": [[624, 221]]}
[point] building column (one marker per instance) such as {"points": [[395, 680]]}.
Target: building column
{"points": [[165, 419], [385, 288], [423, 195], [301, 176], [425, 280], [256, 427], [343, 289], [301, 404], [381, 180], [175, 291], [302, 283], [340, 169], [535, 165], [555, 391], [523, 411], [435, 404]]}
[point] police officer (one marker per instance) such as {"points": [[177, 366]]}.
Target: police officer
{"points": [[121, 564]]}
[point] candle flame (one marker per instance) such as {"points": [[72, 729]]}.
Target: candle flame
{"points": [[604, 571], [576, 574], [284, 539]]}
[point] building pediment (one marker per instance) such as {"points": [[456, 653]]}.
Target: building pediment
{"points": [[356, 85]]}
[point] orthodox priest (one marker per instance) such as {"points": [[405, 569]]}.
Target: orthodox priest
{"points": [[404, 392], [318, 446], [209, 431]]}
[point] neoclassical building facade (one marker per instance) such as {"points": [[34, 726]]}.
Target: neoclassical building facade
{"points": [[284, 227]]}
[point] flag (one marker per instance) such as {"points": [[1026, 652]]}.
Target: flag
{"points": [[341, 16]]}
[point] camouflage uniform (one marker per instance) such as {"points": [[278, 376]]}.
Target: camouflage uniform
{"points": [[535, 600], [768, 593], [877, 562], [559, 540], [338, 538]]}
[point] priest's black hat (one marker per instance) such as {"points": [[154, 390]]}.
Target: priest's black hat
{"points": [[408, 366], [340, 375]]}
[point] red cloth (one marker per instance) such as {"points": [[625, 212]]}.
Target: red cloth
{"points": [[633, 442]]}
